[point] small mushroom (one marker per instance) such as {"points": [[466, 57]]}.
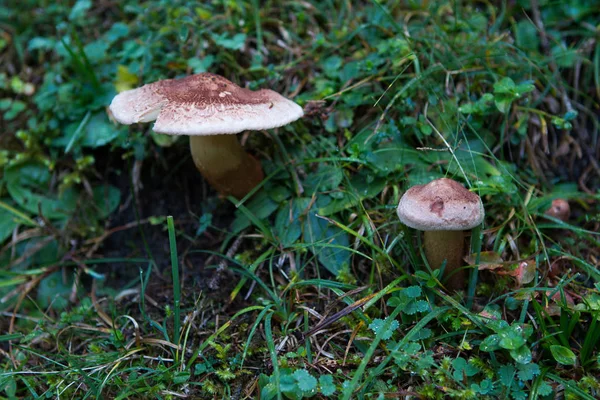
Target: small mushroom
{"points": [[443, 209], [211, 110], [559, 209]]}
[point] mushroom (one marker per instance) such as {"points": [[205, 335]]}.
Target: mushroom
{"points": [[559, 209], [443, 208], [211, 110]]}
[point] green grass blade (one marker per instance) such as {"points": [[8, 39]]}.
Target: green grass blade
{"points": [[176, 283]]}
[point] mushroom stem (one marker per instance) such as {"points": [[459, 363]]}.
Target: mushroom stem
{"points": [[449, 246], [225, 164]]}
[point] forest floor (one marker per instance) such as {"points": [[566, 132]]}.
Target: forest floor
{"points": [[123, 274]]}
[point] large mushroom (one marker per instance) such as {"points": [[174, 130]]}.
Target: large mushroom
{"points": [[443, 209], [211, 110]]}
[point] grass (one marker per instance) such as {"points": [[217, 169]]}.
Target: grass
{"points": [[309, 286]]}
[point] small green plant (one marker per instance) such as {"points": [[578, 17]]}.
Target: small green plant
{"points": [[296, 384]]}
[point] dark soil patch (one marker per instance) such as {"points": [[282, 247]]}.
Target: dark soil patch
{"points": [[168, 184]]}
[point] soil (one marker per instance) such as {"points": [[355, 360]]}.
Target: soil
{"points": [[168, 184]]}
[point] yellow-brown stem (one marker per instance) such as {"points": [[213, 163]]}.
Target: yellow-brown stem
{"points": [[449, 246], [225, 164]]}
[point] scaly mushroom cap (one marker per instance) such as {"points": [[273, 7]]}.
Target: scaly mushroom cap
{"points": [[440, 205], [203, 104]]}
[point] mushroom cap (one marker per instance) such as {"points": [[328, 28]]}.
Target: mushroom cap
{"points": [[203, 104], [440, 205], [559, 209]]}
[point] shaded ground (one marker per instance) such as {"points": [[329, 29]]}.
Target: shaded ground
{"points": [[162, 190]]}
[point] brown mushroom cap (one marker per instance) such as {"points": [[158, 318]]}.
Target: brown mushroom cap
{"points": [[203, 104], [440, 205], [559, 209]]}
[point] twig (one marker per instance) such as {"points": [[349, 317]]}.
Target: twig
{"points": [[97, 241]]}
